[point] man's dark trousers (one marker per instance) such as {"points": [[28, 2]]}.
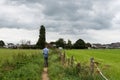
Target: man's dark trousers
{"points": [[46, 61]]}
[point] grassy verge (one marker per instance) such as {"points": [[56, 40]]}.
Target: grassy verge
{"points": [[22, 67], [57, 71]]}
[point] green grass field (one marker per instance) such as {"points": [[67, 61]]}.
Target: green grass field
{"points": [[8, 53], [109, 60], [18, 64]]}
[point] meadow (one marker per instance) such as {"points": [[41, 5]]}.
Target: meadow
{"points": [[23, 64], [108, 59], [18, 64]]}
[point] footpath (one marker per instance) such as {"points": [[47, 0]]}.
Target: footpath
{"points": [[45, 74]]}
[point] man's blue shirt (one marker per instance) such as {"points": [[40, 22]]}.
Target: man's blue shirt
{"points": [[45, 52]]}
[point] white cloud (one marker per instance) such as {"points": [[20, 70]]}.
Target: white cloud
{"points": [[90, 20], [20, 16], [103, 36], [16, 35]]}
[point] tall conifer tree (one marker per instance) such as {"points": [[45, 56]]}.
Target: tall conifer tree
{"points": [[42, 38]]}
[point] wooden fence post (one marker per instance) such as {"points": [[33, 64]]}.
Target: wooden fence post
{"points": [[91, 66], [72, 61], [64, 58], [60, 55], [68, 61], [61, 58], [78, 67]]}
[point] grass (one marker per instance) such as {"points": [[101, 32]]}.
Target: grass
{"points": [[17, 64], [9, 53], [20, 64], [109, 60], [57, 71]]}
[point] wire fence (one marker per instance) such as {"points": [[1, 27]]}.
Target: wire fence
{"points": [[70, 61]]}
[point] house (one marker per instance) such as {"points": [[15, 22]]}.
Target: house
{"points": [[99, 46], [114, 45], [10, 45], [106, 46]]}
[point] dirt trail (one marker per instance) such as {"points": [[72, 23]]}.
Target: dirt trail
{"points": [[45, 74]]}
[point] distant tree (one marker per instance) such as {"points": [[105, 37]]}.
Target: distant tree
{"points": [[25, 44], [88, 45], [69, 44], [53, 44], [60, 43], [2, 43], [79, 44], [42, 38]]}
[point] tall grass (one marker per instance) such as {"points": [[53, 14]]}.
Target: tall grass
{"points": [[21, 65], [57, 71], [28, 65]]}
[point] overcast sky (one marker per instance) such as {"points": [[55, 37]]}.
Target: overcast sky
{"points": [[95, 21]]}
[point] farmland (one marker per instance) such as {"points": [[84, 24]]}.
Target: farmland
{"points": [[108, 59]]}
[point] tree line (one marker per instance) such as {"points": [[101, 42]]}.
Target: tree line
{"points": [[79, 44], [40, 44]]}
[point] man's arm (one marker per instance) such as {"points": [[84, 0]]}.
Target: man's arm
{"points": [[43, 51]]}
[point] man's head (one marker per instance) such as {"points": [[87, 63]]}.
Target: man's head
{"points": [[46, 45]]}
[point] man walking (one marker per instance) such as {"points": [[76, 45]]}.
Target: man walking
{"points": [[45, 53]]}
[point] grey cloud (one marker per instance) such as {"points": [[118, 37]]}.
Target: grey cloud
{"points": [[70, 17], [82, 19], [24, 1], [17, 15], [13, 24], [64, 10]]}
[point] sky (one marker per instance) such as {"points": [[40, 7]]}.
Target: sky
{"points": [[94, 21]]}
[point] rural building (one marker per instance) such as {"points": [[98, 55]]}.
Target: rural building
{"points": [[10, 45]]}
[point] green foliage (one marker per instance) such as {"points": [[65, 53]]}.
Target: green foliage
{"points": [[22, 66], [88, 45], [42, 38], [79, 44], [2, 43], [28, 65], [57, 71], [69, 45], [60, 43], [26, 72]]}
